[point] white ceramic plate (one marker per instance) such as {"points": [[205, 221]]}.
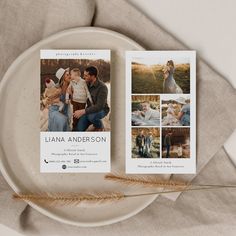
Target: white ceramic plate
{"points": [[19, 125]]}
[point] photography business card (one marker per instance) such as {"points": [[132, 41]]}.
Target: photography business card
{"points": [[75, 109]]}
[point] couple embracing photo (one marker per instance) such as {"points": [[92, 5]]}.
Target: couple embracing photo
{"points": [[72, 102]]}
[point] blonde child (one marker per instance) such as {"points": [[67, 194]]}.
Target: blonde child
{"points": [[77, 92]]}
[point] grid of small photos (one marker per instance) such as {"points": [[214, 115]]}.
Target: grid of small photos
{"points": [[160, 108]]}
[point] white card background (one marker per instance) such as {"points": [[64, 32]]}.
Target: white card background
{"points": [[160, 165], [90, 153]]}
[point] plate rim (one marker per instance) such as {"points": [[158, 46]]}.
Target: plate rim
{"points": [[3, 170]]}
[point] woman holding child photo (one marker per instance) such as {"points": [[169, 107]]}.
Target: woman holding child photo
{"points": [[58, 116]]}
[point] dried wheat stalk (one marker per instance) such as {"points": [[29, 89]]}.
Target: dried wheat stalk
{"points": [[63, 199], [69, 198], [147, 181]]}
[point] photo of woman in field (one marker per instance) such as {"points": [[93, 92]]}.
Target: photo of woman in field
{"points": [[162, 76]]}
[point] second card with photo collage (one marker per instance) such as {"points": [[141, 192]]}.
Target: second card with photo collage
{"points": [[160, 112]]}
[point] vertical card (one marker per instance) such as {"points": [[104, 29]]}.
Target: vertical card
{"points": [[75, 111], [161, 112]]}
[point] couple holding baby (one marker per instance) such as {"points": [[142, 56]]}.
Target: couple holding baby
{"points": [[88, 97]]}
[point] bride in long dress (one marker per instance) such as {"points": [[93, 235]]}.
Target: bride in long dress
{"points": [[169, 85]]}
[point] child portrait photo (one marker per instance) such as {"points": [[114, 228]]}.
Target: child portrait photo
{"points": [[145, 110]]}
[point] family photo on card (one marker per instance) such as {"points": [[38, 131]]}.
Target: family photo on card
{"points": [[74, 95]]}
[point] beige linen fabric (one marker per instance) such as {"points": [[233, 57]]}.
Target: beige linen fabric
{"points": [[25, 22]]}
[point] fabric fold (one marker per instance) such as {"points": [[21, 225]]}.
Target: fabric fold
{"points": [[24, 23]]}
